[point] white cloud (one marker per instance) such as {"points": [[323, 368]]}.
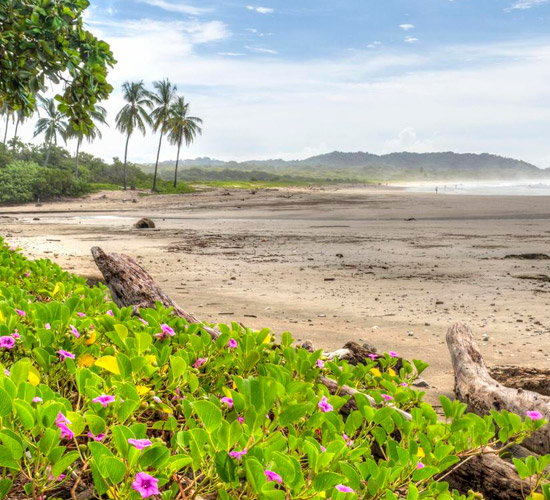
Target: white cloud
{"points": [[261, 50], [230, 54], [525, 4], [261, 10], [411, 39], [176, 7], [406, 27], [407, 140]]}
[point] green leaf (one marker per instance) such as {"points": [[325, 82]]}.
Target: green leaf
{"points": [[5, 487], [327, 480], [254, 474], [5, 403], [7, 460], [209, 413], [116, 469], [25, 413], [225, 467], [294, 413], [60, 466]]}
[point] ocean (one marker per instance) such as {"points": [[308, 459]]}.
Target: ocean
{"points": [[509, 188]]}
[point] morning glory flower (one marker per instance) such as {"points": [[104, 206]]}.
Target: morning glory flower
{"points": [[74, 331], [534, 415], [387, 397], [238, 454], [320, 363], [145, 485], [199, 362], [63, 355], [7, 342], [420, 465], [98, 437], [20, 312], [227, 401], [140, 444], [232, 344], [47, 326], [61, 421], [393, 354], [37, 399], [325, 405], [104, 400], [273, 476], [344, 489]]}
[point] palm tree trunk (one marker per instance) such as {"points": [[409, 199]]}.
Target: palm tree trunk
{"points": [[48, 154], [76, 173], [6, 131], [177, 161], [16, 127], [157, 163], [126, 163]]}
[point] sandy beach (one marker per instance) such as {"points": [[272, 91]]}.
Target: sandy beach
{"points": [[370, 264]]}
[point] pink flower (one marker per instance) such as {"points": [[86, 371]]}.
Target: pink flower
{"points": [[27, 274], [15, 334], [393, 354], [63, 355], [373, 356], [7, 342], [104, 400], [320, 363], [74, 331], [404, 384], [82, 315], [325, 405], [534, 415], [238, 454], [240, 420], [323, 449], [199, 362], [232, 344], [37, 399], [106, 298], [167, 330], [420, 465], [344, 489], [47, 326], [347, 439], [110, 312], [61, 421], [143, 321], [387, 397], [99, 437], [273, 476], [140, 444], [20, 312], [58, 478], [227, 401], [145, 485], [6, 373]]}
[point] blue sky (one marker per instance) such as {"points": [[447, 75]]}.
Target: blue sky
{"points": [[293, 78]]}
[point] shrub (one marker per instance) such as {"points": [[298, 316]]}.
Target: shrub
{"points": [[22, 182]]}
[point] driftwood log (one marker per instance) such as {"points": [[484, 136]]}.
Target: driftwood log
{"points": [[482, 393], [523, 377], [132, 286]]}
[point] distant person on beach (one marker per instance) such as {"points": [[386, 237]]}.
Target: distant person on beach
{"points": [[436, 189]]}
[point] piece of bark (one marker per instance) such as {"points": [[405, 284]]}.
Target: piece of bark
{"points": [[488, 474], [132, 286], [482, 393], [523, 377]]}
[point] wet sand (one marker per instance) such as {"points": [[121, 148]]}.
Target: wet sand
{"points": [[381, 265]]}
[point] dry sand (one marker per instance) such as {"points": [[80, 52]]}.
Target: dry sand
{"points": [[329, 265]]}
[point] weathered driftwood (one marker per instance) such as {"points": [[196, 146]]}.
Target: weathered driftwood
{"points": [[489, 475], [523, 377], [475, 386], [131, 285]]}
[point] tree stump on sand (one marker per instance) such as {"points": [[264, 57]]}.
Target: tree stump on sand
{"points": [[144, 223]]}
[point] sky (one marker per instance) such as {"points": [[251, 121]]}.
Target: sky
{"points": [[295, 78]]}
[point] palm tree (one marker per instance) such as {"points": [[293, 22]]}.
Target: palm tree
{"points": [[50, 125], [162, 98], [99, 115], [182, 127], [5, 111], [133, 115]]}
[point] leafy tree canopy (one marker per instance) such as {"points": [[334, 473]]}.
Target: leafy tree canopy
{"points": [[44, 41]]}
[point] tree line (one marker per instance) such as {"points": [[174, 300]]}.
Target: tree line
{"points": [[162, 109]]}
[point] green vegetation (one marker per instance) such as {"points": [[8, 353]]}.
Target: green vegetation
{"points": [[44, 42], [138, 406], [24, 179]]}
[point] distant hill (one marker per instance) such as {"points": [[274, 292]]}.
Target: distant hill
{"points": [[360, 166]]}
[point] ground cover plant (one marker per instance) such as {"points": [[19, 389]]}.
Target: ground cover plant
{"points": [[99, 402]]}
